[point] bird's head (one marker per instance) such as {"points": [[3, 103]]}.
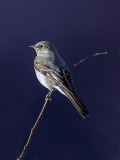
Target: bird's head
{"points": [[43, 47]]}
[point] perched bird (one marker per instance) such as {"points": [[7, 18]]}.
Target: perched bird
{"points": [[53, 73]]}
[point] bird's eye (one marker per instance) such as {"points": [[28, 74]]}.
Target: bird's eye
{"points": [[41, 45]]}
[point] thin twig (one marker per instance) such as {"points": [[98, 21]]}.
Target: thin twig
{"points": [[47, 100], [87, 58]]}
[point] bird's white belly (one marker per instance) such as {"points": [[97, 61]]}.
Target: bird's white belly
{"points": [[41, 78]]}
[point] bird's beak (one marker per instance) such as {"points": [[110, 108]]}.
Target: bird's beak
{"points": [[33, 46]]}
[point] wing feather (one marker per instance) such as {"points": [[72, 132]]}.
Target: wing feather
{"points": [[62, 75]]}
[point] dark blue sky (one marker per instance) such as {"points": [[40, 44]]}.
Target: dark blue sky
{"points": [[77, 28]]}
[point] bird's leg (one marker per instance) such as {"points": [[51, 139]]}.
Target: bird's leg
{"points": [[47, 98]]}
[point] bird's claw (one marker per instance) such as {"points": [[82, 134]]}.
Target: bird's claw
{"points": [[48, 99]]}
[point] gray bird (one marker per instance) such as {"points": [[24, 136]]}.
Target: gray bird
{"points": [[53, 73]]}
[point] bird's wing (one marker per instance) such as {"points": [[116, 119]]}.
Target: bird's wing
{"points": [[61, 76]]}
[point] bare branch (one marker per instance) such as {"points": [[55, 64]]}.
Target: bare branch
{"points": [[87, 58], [47, 100]]}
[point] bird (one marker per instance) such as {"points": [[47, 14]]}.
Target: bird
{"points": [[53, 73]]}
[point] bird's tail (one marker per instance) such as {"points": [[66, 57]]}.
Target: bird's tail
{"points": [[77, 103]]}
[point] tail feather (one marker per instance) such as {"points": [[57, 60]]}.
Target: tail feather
{"points": [[77, 103]]}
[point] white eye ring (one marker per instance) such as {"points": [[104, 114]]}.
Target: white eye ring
{"points": [[41, 45]]}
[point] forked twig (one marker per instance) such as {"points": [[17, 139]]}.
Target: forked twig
{"points": [[47, 100], [85, 59]]}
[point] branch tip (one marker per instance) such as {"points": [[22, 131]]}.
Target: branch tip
{"points": [[87, 58]]}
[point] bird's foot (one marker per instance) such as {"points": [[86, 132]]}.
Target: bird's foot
{"points": [[48, 99]]}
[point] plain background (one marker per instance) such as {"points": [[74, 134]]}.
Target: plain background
{"points": [[78, 29]]}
